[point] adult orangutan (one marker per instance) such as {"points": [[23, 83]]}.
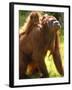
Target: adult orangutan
{"points": [[34, 46]]}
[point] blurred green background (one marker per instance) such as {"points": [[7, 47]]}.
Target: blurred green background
{"points": [[48, 59]]}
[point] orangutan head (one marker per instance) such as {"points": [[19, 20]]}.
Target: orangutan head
{"points": [[51, 23]]}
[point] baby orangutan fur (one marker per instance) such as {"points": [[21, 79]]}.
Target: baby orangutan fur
{"points": [[31, 21], [34, 45]]}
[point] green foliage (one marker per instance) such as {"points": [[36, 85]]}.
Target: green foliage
{"points": [[22, 17]]}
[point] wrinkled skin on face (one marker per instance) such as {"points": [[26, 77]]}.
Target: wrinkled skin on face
{"points": [[51, 22], [34, 46]]}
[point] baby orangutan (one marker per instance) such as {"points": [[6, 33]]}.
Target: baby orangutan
{"points": [[32, 20]]}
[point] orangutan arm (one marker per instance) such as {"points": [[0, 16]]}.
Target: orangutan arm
{"points": [[57, 57]]}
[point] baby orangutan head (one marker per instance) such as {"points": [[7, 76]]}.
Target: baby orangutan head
{"points": [[34, 17]]}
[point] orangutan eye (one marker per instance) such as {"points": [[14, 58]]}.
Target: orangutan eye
{"points": [[53, 20]]}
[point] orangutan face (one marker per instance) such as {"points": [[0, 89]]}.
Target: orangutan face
{"points": [[34, 17], [51, 23]]}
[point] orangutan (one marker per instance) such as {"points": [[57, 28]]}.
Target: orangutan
{"points": [[34, 46]]}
